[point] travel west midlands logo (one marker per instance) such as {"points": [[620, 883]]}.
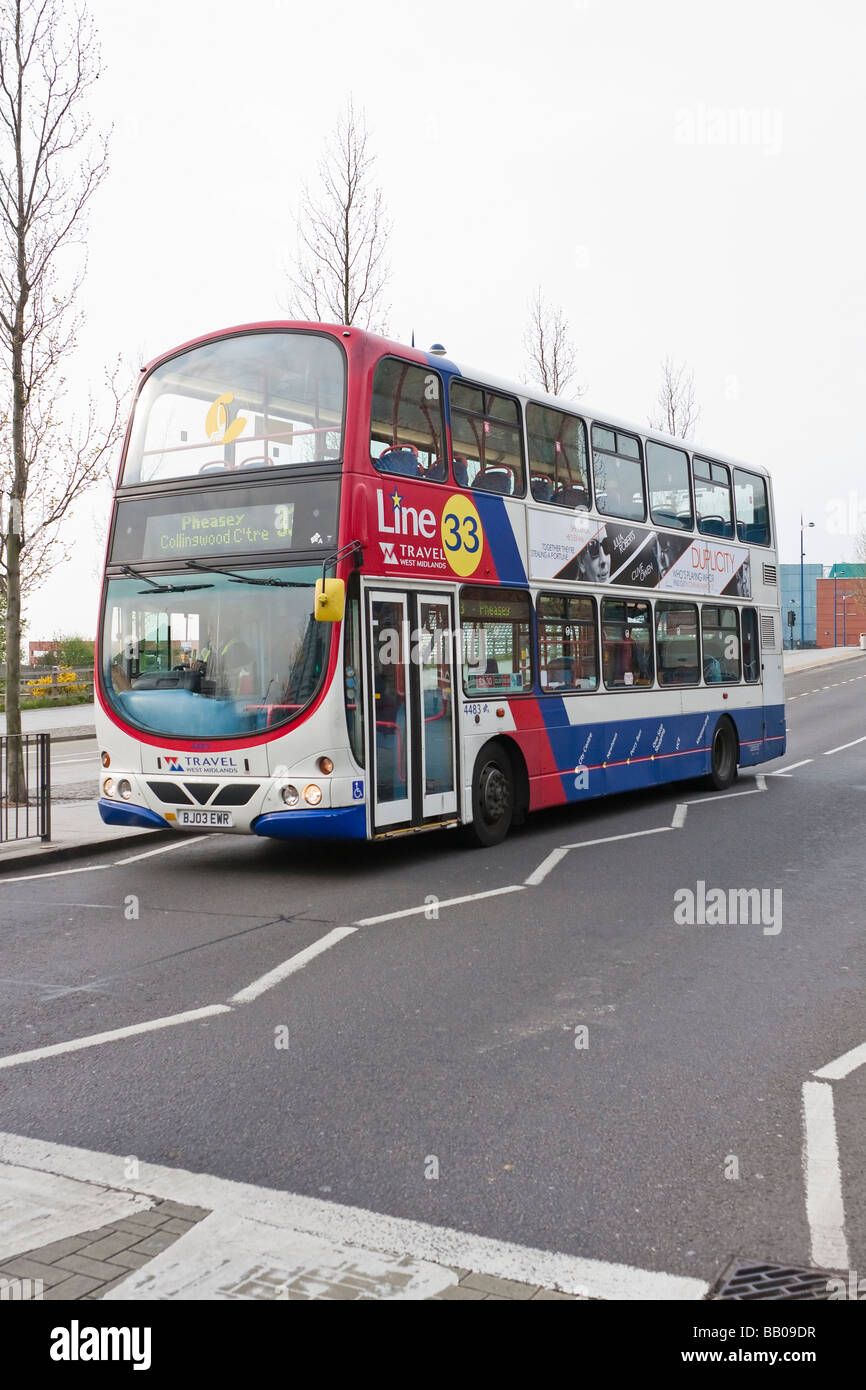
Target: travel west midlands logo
{"points": [[413, 532]]}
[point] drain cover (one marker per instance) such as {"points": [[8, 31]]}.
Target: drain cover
{"points": [[764, 1281]]}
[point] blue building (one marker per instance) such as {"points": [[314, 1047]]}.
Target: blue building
{"points": [[805, 631]]}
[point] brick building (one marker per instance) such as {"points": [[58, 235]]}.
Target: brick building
{"points": [[841, 606]]}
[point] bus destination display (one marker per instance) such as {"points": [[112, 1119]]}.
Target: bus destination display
{"points": [[241, 520], [199, 532]]}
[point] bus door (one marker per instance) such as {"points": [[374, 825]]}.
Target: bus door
{"points": [[410, 643]]}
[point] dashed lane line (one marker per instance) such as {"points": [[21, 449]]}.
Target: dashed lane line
{"points": [[843, 746], [36, 1054], [557, 855], [288, 967], [844, 1065], [112, 864], [161, 849], [786, 772], [440, 903]]}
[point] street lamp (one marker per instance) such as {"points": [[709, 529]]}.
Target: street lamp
{"points": [[845, 598], [802, 583]]}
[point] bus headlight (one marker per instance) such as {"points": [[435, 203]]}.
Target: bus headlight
{"points": [[312, 794], [290, 795], [124, 788], [108, 786]]}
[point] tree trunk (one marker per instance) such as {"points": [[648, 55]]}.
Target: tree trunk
{"points": [[16, 785]]}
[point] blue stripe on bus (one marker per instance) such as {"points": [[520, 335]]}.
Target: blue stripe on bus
{"points": [[500, 538], [334, 823], [121, 813], [621, 755]]}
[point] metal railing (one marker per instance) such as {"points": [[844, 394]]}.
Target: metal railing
{"points": [[30, 817]]}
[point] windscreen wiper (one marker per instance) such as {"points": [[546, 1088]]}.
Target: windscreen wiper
{"points": [[245, 578], [161, 588]]}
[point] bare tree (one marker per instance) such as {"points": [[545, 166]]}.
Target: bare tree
{"points": [[551, 355], [51, 164], [857, 582], [341, 272], [676, 412]]}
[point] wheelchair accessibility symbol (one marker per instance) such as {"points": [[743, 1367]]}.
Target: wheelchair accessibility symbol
{"points": [[357, 791]]}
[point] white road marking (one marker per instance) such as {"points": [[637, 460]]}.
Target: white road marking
{"points": [[114, 864], [287, 1213], [790, 768], [844, 1065], [540, 874], [843, 746], [824, 1207], [15, 1059], [761, 782], [288, 967], [55, 873], [163, 849], [680, 814], [38, 1208], [632, 835], [443, 902], [725, 796]]}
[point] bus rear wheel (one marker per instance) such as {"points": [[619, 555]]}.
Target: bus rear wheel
{"points": [[723, 756], [492, 797]]}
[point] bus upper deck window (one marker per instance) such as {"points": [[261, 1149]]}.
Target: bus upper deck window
{"points": [[616, 462], [406, 429], [753, 516], [713, 498]]}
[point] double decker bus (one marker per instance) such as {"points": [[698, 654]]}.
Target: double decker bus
{"points": [[354, 590]]}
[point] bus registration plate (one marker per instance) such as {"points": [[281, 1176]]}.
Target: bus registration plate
{"points": [[216, 818]]}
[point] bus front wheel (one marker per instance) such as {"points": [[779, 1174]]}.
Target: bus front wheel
{"points": [[492, 797], [723, 756]]}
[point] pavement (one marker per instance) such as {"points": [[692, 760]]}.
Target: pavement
{"points": [[811, 657], [72, 1238], [66, 719]]}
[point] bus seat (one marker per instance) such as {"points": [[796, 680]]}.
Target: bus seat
{"points": [[542, 488], [493, 480], [560, 671], [402, 460], [715, 526], [438, 753], [434, 705], [572, 497], [752, 535], [461, 470]]}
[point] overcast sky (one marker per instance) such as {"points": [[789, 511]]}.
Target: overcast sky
{"points": [[683, 177]]}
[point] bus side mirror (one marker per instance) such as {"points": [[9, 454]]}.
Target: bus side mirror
{"points": [[330, 601]]}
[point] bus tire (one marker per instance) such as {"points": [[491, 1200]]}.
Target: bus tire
{"points": [[492, 797], [723, 755]]}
